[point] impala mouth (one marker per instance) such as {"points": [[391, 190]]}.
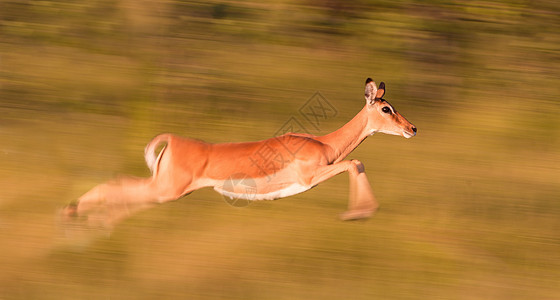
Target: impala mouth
{"points": [[408, 135]]}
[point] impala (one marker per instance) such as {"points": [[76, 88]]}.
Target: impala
{"points": [[279, 167]]}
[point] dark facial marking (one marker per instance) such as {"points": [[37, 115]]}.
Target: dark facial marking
{"points": [[388, 107]]}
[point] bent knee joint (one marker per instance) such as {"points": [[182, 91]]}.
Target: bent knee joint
{"points": [[360, 168]]}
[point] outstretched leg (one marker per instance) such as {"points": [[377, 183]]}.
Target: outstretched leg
{"points": [[108, 203], [362, 203]]}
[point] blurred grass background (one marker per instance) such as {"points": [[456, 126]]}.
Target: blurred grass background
{"points": [[469, 208]]}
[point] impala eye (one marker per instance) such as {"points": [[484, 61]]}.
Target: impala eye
{"points": [[386, 110]]}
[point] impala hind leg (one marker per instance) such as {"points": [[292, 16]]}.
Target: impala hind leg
{"points": [[109, 203], [361, 202]]}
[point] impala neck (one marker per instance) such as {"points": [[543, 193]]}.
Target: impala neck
{"points": [[348, 137]]}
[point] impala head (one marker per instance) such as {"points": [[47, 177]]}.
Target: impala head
{"points": [[382, 116]]}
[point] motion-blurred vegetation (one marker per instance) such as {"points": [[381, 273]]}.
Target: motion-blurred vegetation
{"points": [[469, 208]]}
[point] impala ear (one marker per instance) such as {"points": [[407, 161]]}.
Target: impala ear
{"points": [[380, 91], [371, 91]]}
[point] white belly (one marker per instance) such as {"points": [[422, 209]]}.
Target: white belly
{"points": [[258, 189]]}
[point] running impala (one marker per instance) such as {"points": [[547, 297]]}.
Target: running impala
{"points": [[293, 163]]}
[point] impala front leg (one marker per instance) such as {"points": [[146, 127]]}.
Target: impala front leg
{"points": [[362, 203]]}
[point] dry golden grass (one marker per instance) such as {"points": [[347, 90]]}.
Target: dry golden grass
{"points": [[469, 207]]}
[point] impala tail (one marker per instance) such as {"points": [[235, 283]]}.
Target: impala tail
{"points": [[108, 203], [152, 160]]}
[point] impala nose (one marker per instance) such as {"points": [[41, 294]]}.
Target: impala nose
{"points": [[414, 128]]}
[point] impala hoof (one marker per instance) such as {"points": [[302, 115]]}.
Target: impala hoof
{"points": [[356, 214], [69, 211]]}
